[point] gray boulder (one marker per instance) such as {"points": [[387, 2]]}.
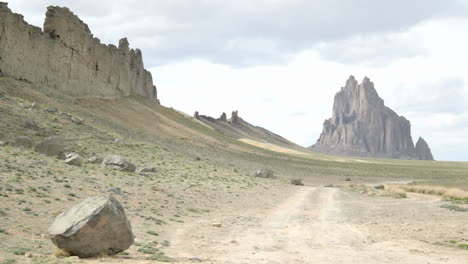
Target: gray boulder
{"points": [[97, 226], [264, 173], [73, 159], [23, 141], [117, 163], [52, 146], [77, 120], [95, 160], [145, 169]]}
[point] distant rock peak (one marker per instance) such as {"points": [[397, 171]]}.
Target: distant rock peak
{"points": [[362, 125]]}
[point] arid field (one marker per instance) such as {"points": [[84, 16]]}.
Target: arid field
{"points": [[203, 204]]}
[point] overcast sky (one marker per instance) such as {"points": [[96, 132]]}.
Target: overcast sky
{"points": [[280, 62]]}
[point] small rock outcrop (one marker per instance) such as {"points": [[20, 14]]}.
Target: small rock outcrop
{"points": [[223, 117], [97, 226], [234, 117], [65, 56], [95, 160], [52, 146], [362, 125], [196, 115], [118, 163], [422, 150]]}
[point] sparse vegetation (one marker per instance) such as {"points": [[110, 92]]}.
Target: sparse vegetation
{"points": [[454, 208]]}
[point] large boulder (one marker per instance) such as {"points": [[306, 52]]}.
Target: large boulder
{"points": [[117, 163], [52, 146], [97, 226]]}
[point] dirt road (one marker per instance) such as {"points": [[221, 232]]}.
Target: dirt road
{"points": [[317, 225]]}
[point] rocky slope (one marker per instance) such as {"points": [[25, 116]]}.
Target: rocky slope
{"points": [[66, 57], [238, 128], [362, 125]]}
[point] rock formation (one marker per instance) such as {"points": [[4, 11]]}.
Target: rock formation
{"points": [[362, 125], [235, 117], [223, 117], [97, 226], [66, 57], [422, 150]]}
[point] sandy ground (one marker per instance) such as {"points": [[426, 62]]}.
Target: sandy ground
{"points": [[323, 225]]}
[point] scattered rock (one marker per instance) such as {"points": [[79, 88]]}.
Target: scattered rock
{"points": [[77, 120], [31, 124], [195, 260], [66, 115], [145, 169], [95, 160], [97, 226], [34, 105], [235, 170], [23, 141], [264, 173], [2, 143], [52, 110], [328, 185], [115, 190], [52, 146], [347, 179], [73, 159], [217, 225], [297, 182], [118, 163], [379, 187]]}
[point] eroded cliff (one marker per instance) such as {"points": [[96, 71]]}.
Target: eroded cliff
{"points": [[65, 56], [362, 125]]}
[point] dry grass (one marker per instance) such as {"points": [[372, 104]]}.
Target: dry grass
{"points": [[447, 193]]}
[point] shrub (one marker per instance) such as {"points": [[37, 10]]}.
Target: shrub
{"points": [[297, 182]]}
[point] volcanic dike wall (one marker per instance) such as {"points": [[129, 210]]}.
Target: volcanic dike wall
{"points": [[65, 56]]}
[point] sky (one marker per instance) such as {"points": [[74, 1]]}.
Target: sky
{"points": [[280, 62]]}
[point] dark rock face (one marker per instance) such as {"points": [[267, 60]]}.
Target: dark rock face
{"points": [[362, 125], [422, 150], [95, 227]]}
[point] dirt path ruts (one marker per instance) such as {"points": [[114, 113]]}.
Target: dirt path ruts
{"points": [[308, 227]]}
